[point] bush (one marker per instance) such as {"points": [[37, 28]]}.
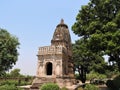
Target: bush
{"points": [[111, 74], [93, 75], [14, 82], [9, 87], [11, 84], [91, 87], [8, 82], [114, 84], [49, 86]]}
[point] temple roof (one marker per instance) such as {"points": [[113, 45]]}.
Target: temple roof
{"points": [[61, 33], [62, 24]]}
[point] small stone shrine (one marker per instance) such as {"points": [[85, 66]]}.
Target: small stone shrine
{"points": [[55, 62]]}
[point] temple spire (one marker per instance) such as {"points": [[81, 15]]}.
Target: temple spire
{"points": [[62, 24], [62, 21]]}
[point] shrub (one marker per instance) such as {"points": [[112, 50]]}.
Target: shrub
{"points": [[11, 84], [14, 82], [8, 82], [95, 75], [111, 74], [90, 87], [114, 84], [9, 87], [49, 86]]}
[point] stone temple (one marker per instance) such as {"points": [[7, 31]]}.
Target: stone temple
{"points": [[55, 61]]}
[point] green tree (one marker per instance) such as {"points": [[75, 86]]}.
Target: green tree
{"points": [[85, 61], [15, 73], [8, 50], [99, 23]]}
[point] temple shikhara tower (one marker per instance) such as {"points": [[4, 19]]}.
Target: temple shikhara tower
{"points": [[55, 61]]}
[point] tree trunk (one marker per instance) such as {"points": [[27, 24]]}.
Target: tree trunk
{"points": [[82, 74]]}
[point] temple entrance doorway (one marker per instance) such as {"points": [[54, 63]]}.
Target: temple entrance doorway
{"points": [[49, 68]]}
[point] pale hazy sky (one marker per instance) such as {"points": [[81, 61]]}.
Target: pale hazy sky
{"points": [[34, 22]]}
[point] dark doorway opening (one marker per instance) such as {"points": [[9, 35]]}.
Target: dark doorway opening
{"points": [[49, 69]]}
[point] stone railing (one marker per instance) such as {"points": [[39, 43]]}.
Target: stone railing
{"points": [[50, 50]]}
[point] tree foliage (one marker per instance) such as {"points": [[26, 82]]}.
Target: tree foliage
{"points": [[86, 61], [99, 23], [15, 73], [8, 50]]}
